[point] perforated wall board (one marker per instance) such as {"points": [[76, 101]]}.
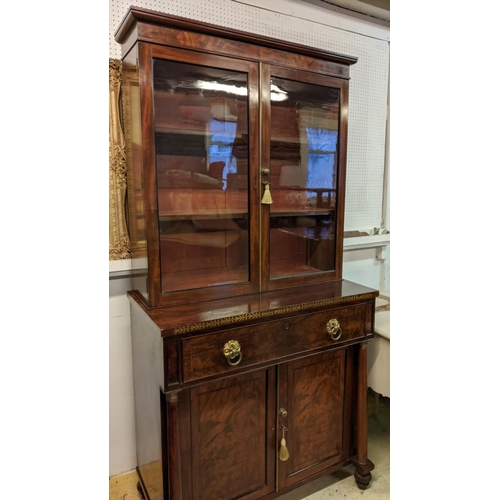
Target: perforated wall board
{"points": [[367, 94]]}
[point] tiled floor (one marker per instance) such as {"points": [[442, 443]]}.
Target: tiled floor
{"points": [[340, 485]]}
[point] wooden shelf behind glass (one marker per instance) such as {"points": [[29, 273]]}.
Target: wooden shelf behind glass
{"points": [[311, 233], [286, 212], [202, 214], [285, 270], [189, 129], [201, 278]]}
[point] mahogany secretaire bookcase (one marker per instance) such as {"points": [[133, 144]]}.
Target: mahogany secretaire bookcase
{"points": [[249, 349]]}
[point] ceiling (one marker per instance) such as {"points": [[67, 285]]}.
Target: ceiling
{"points": [[379, 9]]}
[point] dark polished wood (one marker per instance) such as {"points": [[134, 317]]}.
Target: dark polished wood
{"points": [[137, 14], [156, 297], [330, 256], [230, 429], [169, 38], [174, 457], [223, 313], [270, 341], [236, 49], [342, 161], [319, 378], [361, 462], [314, 401], [148, 166], [265, 152], [244, 330]]}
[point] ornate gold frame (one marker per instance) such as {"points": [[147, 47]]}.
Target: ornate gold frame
{"points": [[119, 241]]}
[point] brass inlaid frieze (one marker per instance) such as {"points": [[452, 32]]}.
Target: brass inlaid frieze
{"points": [[269, 313]]}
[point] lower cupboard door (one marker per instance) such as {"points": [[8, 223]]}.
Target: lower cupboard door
{"points": [[232, 437], [314, 393]]}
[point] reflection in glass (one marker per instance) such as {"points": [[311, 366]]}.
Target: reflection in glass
{"points": [[303, 164], [201, 143]]}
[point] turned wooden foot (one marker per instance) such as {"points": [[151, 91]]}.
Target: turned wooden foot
{"points": [[362, 480], [362, 473]]}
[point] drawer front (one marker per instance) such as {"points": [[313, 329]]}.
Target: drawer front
{"points": [[203, 355]]}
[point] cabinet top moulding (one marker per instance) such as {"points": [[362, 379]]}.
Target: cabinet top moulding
{"points": [[138, 24]]}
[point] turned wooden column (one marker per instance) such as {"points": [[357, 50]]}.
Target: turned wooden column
{"points": [[174, 451], [361, 462]]}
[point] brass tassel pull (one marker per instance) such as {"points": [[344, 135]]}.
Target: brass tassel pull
{"points": [[283, 454], [266, 198]]}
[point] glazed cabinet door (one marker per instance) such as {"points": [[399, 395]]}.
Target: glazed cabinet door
{"points": [[201, 135], [314, 403], [231, 438], [304, 121]]}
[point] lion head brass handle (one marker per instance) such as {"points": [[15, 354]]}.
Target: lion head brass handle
{"points": [[232, 351], [333, 329]]}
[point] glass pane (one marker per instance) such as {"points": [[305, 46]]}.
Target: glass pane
{"points": [[201, 142], [303, 164]]}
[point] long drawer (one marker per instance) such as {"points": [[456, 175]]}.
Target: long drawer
{"points": [[203, 355]]}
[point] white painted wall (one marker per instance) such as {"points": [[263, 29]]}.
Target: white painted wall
{"points": [[121, 392], [361, 266]]}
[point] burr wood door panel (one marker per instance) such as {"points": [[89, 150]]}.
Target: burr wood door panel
{"points": [[232, 448], [313, 393]]}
